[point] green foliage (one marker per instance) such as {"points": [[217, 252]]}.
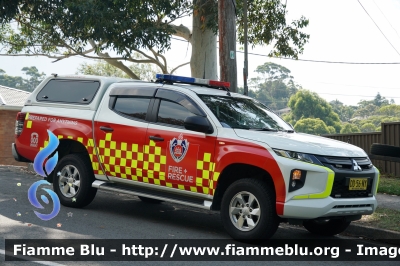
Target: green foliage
{"points": [[390, 110], [312, 126], [365, 110], [102, 68], [345, 112], [64, 28], [375, 120], [307, 104], [18, 82], [368, 127], [349, 128], [274, 85], [331, 129], [266, 22], [389, 185], [119, 25], [267, 25], [34, 77]]}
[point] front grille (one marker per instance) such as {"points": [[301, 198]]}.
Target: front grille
{"points": [[344, 170], [345, 163]]}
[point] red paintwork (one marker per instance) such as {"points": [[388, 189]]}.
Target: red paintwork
{"points": [[236, 151], [232, 151]]}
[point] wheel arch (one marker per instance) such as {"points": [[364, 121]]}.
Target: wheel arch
{"points": [[234, 172], [68, 146]]}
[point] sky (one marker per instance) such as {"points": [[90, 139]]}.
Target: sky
{"points": [[340, 31]]}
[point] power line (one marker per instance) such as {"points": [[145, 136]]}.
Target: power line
{"points": [[386, 19], [378, 27], [352, 95], [349, 85], [314, 61], [330, 62]]}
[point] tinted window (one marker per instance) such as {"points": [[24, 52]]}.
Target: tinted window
{"points": [[132, 107], [69, 91], [172, 113]]}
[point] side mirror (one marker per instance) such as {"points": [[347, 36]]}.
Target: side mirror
{"points": [[198, 123]]}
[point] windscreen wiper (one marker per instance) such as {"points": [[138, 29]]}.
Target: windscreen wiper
{"points": [[264, 129]]}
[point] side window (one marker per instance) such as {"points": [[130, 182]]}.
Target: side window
{"points": [[132, 107], [68, 91], [172, 113]]}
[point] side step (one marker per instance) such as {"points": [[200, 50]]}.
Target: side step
{"points": [[153, 194]]}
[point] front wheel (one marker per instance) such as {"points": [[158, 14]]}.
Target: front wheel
{"points": [[328, 227], [248, 210], [73, 178]]}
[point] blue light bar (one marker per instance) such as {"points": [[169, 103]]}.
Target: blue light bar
{"points": [[175, 78], [189, 80]]}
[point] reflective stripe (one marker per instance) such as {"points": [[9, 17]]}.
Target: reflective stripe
{"points": [[323, 194], [377, 183]]}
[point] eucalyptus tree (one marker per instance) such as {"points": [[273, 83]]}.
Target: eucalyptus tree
{"points": [[113, 30]]}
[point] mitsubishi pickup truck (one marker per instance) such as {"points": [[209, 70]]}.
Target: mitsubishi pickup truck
{"points": [[191, 141]]}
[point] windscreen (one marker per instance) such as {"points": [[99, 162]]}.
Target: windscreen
{"points": [[244, 113]]}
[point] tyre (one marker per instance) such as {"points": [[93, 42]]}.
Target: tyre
{"points": [[248, 210], [328, 227], [150, 200], [73, 178], [385, 150]]}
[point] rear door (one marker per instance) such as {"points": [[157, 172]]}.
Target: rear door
{"points": [[120, 130]]}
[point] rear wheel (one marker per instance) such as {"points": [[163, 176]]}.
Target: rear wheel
{"points": [[248, 210], [328, 227], [73, 178]]}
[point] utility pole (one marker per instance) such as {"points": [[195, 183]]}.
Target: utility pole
{"points": [[246, 62], [227, 42]]}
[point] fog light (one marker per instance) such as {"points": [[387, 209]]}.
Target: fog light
{"points": [[297, 179], [296, 175]]}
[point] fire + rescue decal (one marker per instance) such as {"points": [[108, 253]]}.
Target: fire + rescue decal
{"points": [[178, 148]]}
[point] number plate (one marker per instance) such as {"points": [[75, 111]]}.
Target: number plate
{"points": [[358, 183]]}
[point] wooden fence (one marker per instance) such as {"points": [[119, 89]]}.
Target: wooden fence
{"points": [[390, 135]]}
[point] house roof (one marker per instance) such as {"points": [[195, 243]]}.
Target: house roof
{"points": [[14, 97]]}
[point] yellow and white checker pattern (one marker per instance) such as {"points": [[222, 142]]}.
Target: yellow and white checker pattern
{"points": [[144, 164], [205, 170]]}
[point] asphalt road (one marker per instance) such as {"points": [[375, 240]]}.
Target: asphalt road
{"points": [[118, 216]]}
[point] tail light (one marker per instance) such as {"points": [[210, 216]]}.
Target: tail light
{"points": [[19, 124]]}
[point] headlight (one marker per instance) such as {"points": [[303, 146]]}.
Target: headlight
{"points": [[297, 156]]}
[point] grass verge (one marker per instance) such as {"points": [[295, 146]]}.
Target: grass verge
{"points": [[389, 185], [382, 218]]}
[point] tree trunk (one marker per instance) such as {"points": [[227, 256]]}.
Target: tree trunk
{"points": [[227, 42], [203, 62]]}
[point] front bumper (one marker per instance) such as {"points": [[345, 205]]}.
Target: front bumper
{"points": [[329, 207], [326, 190]]}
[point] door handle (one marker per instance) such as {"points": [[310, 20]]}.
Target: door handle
{"points": [[109, 129], [156, 138]]}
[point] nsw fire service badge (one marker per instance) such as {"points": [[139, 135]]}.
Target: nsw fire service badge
{"points": [[178, 148]]}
